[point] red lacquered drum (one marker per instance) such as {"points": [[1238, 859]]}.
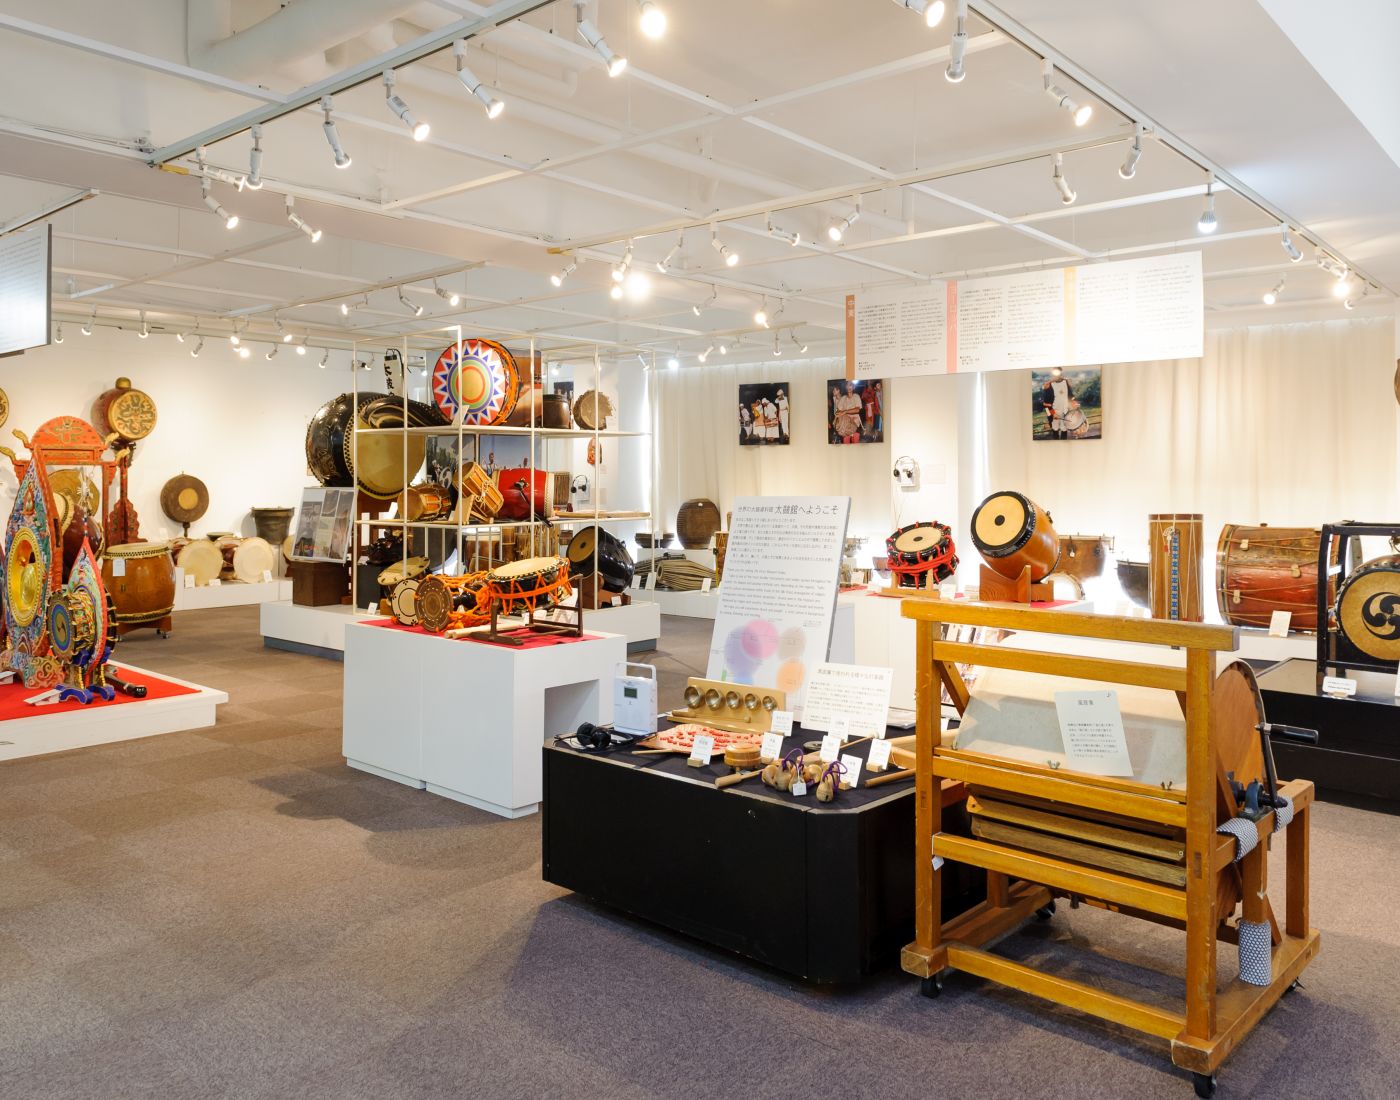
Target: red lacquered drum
{"points": [[922, 548], [524, 490], [1260, 570], [1011, 532]]}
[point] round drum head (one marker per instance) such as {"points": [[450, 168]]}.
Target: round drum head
{"points": [[393, 574], [403, 601], [481, 384], [433, 603], [920, 542], [184, 498], [251, 559], [201, 560], [526, 567], [1074, 420], [1368, 610], [380, 466], [999, 521], [580, 550]]}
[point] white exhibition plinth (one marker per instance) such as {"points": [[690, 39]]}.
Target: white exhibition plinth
{"points": [[232, 594], [72, 726], [468, 720]]}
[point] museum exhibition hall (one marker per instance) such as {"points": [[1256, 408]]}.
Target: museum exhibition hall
{"points": [[543, 538]]}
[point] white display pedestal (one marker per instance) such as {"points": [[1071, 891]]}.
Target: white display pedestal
{"points": [[319, 631], [232, 594], [639, 622], [468, 720], [693, 605], [69, 726]]}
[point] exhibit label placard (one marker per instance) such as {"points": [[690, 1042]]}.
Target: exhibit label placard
{"points": [[1092, 727], [778, 599], [24, 289], [1125, 311], [856, 693]]}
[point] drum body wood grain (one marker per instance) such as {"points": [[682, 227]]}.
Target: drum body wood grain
{"points": [[1260, 570], [1084, 556], [140, 576], [1175, 546], [1011, 532]]}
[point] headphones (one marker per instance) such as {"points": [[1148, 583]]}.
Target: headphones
{"points": [[905, 470], [591, 738], [579, 484]]}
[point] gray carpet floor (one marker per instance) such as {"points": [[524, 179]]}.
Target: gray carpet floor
{"points": [[235, 913]]}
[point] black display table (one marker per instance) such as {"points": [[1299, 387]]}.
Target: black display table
{"points": [[1357, 757], [824, 892]]}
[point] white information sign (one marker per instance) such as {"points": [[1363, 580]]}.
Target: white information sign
{"points": [[24, 290], [772, 747], [1279, 622], [778, 599], [1122, 312], [1092, 727], [879, 756], [702, 748], [851, 776], [1338, 685], [859, 693], [780, 722], [831, 747]]}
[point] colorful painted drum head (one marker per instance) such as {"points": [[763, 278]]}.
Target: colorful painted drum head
{"points": [[481, 385]]}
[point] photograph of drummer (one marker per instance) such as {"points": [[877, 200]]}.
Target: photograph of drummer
{"points": [[855, 411], [1067, 404], [763, 414]]}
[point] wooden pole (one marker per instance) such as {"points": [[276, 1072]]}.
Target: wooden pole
{"points": [[928, 801], [1200, 835]]}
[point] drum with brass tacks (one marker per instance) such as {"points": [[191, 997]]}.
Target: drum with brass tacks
{"points": [[200, 559], [530, 584], [1260, 570], [1368, 608], [1011, 532], [141, 579]]}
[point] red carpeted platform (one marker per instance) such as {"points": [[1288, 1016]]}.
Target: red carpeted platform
{"points": [[13, 696]]}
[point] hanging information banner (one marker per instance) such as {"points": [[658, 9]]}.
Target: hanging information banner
{"points": [[24, 290], [1126, 311], [778, 599]]}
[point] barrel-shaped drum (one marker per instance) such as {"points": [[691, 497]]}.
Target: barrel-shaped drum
{"points": [[1260, 570], [615, 566], [140, 576], [1012, 532]]}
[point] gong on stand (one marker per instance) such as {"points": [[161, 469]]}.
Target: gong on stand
{"points": [[184, 499]]}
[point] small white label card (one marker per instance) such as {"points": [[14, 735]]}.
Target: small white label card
{"points": [[702, 748], [215, 582], [267, 576], [706, 584], [1092, 727], [371, 608], [831, 748], [772, 747], [799, 789], [879, 758], [1279, 623], [841, 729], [636, 581], [651, 581], [780, 721], [189, 580], [1338, 685], [851, 777], [860, 693], [118, 566]]}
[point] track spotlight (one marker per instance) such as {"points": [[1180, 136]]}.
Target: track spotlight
{"points": [[58, 332], [1352, 303], [451, 297], [230, 220], [931, 10], [663, 265], [673, 363], [837, 229], [342, 158], [723, 348], [957, 45], [272, 352], [180, 337], [301, 348], [594, 37], [282, 332], [1130, 162], [1067, 194], [704, 355], [1294, 253], [417, 311], [1207, 223], [730, 258], [791, 236], [145, 331], [419, 130], [707, 303], [637, 286], [615, 292], [345, 309], [642, 359], [619, 271], [1272, 294], [760, 316], [325, 358], [86, 330], [653, 19], [243, 352], [798, 344], [559, 276], [300, 222], [254, 181], [1081, 113], [1342, 288], [469, 80], [777, 347], [198, 347]]}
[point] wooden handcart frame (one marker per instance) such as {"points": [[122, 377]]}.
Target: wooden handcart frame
{"points": [[1022, 883]]}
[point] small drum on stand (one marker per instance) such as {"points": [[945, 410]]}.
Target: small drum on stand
{"points": [[1368, 609], [615, 567], [1017, 541], [1260, 570], [921, 556], [529, 586]]}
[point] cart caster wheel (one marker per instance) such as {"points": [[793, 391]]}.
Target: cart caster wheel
{"points": [[1293, 985], [1205, 1085], [931, 986], [162, 633], [1045, 912]]}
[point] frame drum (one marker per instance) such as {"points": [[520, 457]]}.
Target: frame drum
{"points": [[202, 560], [433, 603], [402, 570], [615, 565], [252, 558], [1011, 532], [1368, 609], [403, 601], [1260, 570]]}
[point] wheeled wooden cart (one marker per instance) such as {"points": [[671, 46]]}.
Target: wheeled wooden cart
{"points": [[1050, 836]]}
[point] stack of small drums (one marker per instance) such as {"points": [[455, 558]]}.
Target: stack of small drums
{"points": [[1260, 570], [922, 555], [1012, 532]]}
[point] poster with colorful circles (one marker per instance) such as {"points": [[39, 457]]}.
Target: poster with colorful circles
{"points": [[778, 597], [477, 381]]}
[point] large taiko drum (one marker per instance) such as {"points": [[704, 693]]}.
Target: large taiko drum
{"points": [[1174, 543], [140, 576], [1260, 570], [530, 584], [1011, 532], [615, 565], [1368, 608], [525, 493]]}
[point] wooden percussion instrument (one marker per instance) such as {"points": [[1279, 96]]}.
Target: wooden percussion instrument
{"points": [[75, 524], [403, 601], [556, 411], [1084, 556], [1174, 542], [921, 554], [383, 464], [129, 412], [328, 439], [721, 550], [200, 559], [1368, 608], [696, 522], [140, 577], [425, 503], [272, 524], [529, 585], [526, 493], [615, 567], [1260, 570], [1012, 532], [253, 559], [479, 496], [227, 544], [477, 381]]}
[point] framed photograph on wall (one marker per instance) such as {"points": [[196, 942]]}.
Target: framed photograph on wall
{"points": [[855, 411], [1067, 404], [764, 416]]}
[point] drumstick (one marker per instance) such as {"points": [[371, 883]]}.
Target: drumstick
{"points": [[653, 752], [737, 777], [892, 777]]}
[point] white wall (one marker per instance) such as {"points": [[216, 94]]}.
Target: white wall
{"points": [[238, 425]]}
